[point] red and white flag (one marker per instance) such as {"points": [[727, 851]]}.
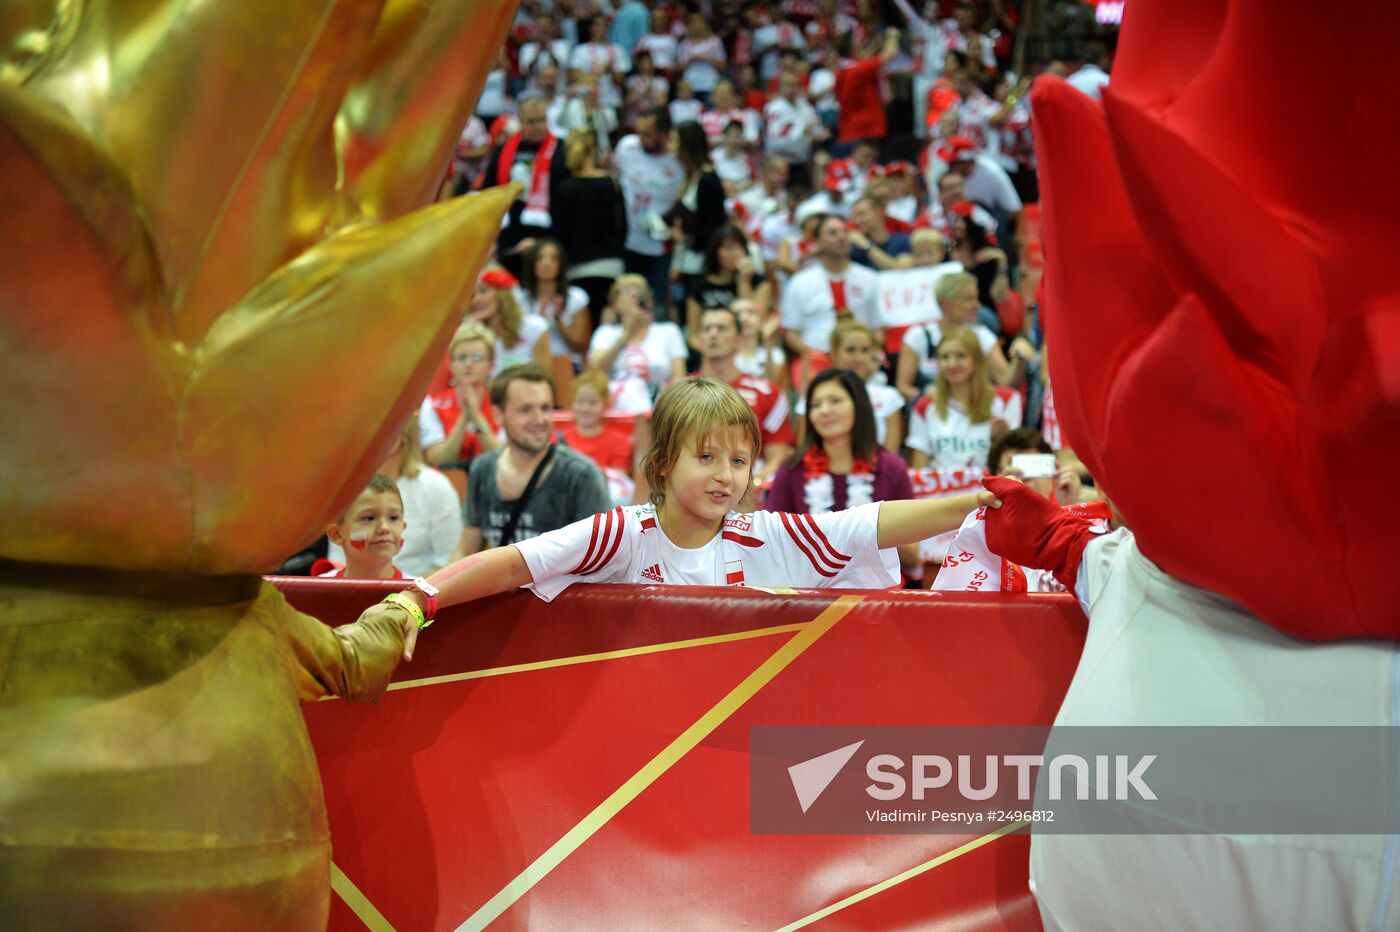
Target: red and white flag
{"points": [[970, 565]]}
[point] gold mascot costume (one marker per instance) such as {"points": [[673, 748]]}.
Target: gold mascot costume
{"points": [[220, 297]]}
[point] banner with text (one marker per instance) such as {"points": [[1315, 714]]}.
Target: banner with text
{"points": [[906, 296]]}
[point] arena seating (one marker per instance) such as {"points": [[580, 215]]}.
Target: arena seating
{"points": [[584, 764]]}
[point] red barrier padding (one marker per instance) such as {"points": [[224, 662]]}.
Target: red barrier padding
{"points": [[443, 793]]}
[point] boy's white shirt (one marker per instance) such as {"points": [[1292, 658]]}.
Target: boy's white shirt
{"points": [[761, 549]]}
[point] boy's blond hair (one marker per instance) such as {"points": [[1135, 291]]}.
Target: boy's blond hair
{"points": [[474, 332], [691, 411], [595, 379], [377, 483], [926, 236]]}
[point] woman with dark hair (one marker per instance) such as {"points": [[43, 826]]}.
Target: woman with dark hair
{"points": [[838, 463], [699, 208], [600, 59], [544, 290], [727, 276]]}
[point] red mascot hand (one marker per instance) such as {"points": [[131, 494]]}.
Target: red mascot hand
{"points": [[1030, 530]]}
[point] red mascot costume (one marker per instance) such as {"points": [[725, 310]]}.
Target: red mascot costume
{"points": [[1223, 315]]}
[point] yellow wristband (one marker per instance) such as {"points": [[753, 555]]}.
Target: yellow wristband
{"points": [[410, 606]]}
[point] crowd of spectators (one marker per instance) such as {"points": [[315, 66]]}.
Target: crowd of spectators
{"points": [[724, 189]]}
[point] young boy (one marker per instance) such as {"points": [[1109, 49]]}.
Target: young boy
{"points": [[371, 532], [698, 529], [610, 447]]}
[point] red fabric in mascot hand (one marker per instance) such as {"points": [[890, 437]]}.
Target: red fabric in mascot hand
{"points": [[1223, 307]]}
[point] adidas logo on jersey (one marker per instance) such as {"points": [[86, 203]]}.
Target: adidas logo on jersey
{"points": [[653, 573]]}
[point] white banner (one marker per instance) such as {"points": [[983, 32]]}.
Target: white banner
{"points": [[906, 296]]}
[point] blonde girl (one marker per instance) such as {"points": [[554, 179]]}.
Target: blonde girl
{"points": [[954, 423]]}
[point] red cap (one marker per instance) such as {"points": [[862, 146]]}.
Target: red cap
{"points": [[499, 278], [899, 167], [958, 149]]}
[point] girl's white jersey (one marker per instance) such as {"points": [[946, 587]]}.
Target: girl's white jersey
{"points": [[764, 549]]}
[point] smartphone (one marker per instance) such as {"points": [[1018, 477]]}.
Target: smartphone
{"points": [[1034, 465]]}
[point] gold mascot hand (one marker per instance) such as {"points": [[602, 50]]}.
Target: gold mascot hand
{"points": [[220, 296]]}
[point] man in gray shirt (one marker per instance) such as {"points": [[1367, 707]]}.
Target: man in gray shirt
{"points": [[570, 487]]}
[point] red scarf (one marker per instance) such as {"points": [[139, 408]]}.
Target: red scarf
{"points": [[838, 295], [816, 463], [537, 198]]}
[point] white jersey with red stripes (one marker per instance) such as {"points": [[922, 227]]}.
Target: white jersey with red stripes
{"points": [[714, 122], [789, 128], [763, 549]]}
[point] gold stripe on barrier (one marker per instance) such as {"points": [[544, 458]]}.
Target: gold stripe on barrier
{"points": [[911, 873], [359, 903], [602, 655], [658, 765]]}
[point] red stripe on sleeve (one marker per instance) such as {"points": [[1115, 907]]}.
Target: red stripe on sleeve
{"points": [[802, 545], [830, 549], [592, 542], [592, 565], [805, 529], [617, 542]]}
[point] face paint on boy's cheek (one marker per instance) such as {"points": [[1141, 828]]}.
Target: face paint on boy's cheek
{"points": [[359, 540]]}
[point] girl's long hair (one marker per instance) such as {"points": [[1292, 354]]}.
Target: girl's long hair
{"points": [[979, 408], [528, 282]]}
